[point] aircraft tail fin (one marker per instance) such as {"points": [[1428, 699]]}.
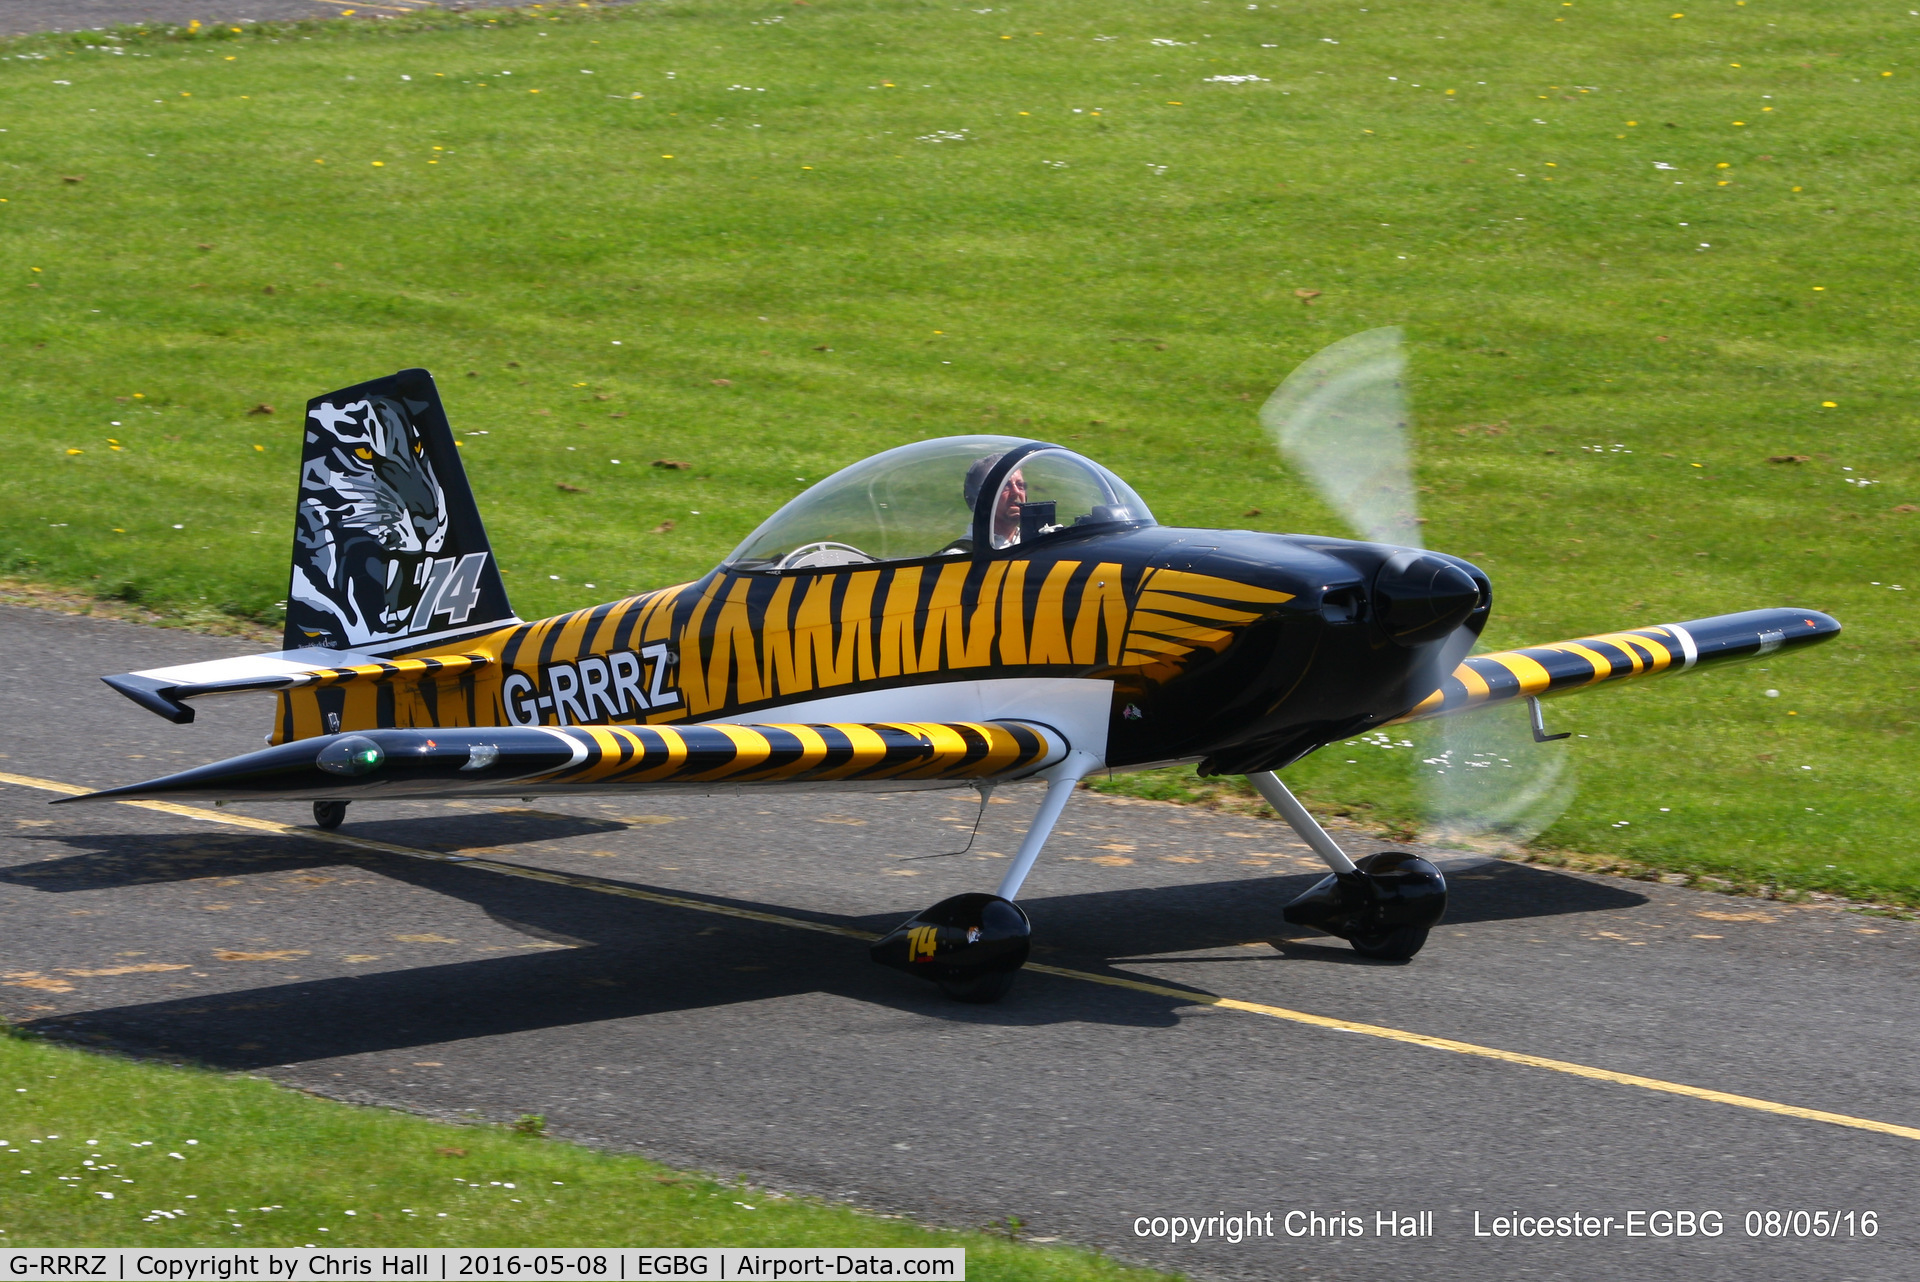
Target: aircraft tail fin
{"points": [[388, 549]]}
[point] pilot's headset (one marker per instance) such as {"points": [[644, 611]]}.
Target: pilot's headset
{"points": [[977, 477]]}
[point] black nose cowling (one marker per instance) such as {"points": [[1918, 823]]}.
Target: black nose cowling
{"points": [[1419, 597]]}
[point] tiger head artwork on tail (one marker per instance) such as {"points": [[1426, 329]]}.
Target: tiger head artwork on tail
{"points": [[387, 542]]}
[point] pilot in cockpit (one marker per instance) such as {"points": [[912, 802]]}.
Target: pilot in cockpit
{"points": [[1006, 509]]}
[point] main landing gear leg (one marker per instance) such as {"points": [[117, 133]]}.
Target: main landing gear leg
{"points": [[972, 945], [1384, 905], [327, 815]]}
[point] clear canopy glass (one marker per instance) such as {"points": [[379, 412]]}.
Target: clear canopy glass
{"points": [[919, 501]]}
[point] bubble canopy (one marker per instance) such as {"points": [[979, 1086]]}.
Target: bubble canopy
{"points": [[948, 497]]}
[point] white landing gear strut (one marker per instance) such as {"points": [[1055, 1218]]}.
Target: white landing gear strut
{"points": [[972, 945], [1289, 808], [1061, 781], [1383, 905]]}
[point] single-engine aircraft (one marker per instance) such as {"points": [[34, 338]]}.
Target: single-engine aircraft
{"points": [[953, 613]]}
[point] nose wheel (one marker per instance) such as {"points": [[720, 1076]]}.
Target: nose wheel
{"points": [[327, 815], [1384, 905], [1398, 944]]}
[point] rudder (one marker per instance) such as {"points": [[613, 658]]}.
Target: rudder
{"points": [[388, 547]]}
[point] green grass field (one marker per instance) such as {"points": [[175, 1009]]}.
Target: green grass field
{"points": [[1636, 254], [102, 1152]]}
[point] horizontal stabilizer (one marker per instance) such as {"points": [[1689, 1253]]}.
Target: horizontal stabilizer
{"points": [[518, 761], [165, 690], [1565, 666]]}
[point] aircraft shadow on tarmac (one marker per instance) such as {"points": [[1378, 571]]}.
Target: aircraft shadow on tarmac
{"points": [[620, 958], [132, 859]]}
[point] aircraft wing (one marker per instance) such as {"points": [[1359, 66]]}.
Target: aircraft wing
{"points": [[1563, 667], [522, 761]]}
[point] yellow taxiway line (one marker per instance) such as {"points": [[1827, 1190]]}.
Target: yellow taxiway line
{"points": [[1188, 995]]}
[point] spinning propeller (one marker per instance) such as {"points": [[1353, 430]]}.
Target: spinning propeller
{"points": [[1342, 420]]}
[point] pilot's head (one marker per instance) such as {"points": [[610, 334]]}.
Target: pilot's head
{"points": [[977, 477], [1006, 507]]}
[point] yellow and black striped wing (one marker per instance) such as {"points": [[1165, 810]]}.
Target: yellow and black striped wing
{"points": [[1562, 667], [869, 752]]}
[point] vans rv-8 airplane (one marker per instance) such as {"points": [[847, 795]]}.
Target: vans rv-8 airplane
{"points": [[959, 612]]}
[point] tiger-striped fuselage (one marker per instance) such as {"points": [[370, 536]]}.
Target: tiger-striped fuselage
{"points": [[1229, 644]]}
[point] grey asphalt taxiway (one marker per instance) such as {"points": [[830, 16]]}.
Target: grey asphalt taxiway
{"points": [[20, 17], [677, 977]]}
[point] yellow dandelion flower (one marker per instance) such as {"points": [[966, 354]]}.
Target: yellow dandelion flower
{"points": [[379, 164], [1829, 405], [76, 451]]}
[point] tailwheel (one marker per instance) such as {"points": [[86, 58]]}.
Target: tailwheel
{"points": [[971, 946], [327, 815]]}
